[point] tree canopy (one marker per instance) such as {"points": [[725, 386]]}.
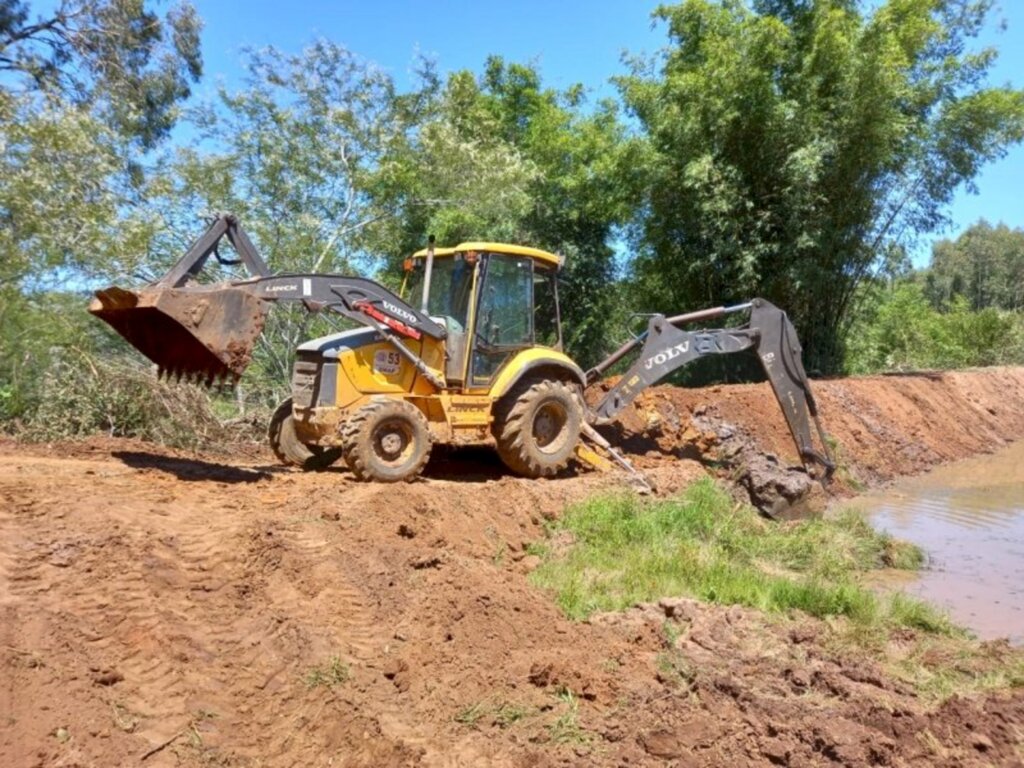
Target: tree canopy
{"points": [[115, 56], [85, 92], [501, 157], [794, 141], [984, 266]]}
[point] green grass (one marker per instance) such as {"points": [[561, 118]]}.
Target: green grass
{"points": [[939, 670], [701, 544], [332, 672], [471, 714], [503, 714], [566, 728]]}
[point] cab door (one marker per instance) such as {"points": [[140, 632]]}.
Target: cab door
{"points": [[503, 322]]}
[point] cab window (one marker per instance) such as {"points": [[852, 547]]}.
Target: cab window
{"points": [[450, 285], [545, 307], [506, 301], [504, 321]]}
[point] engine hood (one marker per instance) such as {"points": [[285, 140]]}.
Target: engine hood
{"points": [[330, 347]]}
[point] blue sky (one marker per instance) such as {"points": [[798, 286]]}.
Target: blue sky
{"points": [[572, 41]]}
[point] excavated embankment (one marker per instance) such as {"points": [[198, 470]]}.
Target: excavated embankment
{"points": [[880, 427], [164, 609]]}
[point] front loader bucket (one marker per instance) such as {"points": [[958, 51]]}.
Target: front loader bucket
{"points": [[203, 333]]}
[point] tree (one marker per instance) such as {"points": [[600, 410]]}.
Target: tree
{"points": [[454, 177], [500, 157], [292, 154], [898, 328], [85, 92], [795, 142], [984, 265], [581, 197], [111, 55]]}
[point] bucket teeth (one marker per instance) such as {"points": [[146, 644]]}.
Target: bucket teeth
{"points": [[211, 377]]}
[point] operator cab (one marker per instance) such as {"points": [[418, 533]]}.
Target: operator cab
{"points": [[494, 300]]}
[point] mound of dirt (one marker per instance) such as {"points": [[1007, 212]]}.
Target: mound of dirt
{"points": [[881, 427], [165, 609]]}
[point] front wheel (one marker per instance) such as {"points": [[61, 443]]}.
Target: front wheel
{"points": [[537, 427], [287, 447], [387, 440]]}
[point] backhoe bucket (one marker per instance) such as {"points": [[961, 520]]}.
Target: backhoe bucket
{"points": [[201, 333]]}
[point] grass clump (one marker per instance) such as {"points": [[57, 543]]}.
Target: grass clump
{"points": [[471, 714], [939, 668], [503, 714], [332, 672], [702, 544], [566, 728], [508, 714]]}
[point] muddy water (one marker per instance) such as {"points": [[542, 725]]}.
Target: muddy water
{"points": [[969, 518]]}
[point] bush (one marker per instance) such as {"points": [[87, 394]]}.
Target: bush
{"points": [[900, 330], [81, 395]]}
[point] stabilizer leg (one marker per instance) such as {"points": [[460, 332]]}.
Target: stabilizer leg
{"points": [[637, 479]]}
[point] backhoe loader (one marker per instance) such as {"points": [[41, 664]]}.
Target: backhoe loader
{"points": [[470, 353]]}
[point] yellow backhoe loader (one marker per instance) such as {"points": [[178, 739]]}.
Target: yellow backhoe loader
{"points": [[471, 354]]}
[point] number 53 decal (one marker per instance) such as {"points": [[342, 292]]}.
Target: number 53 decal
{"points": [[387, 362]]}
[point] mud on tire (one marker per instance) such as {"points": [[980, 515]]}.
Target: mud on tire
{"points": [[387, 440], [287, 447], [537, 426]]}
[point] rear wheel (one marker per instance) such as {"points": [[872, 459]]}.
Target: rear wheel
{"points": [[287, 447], [388, 440], [537, 427]]}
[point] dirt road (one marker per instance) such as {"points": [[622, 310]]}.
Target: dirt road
{"points": [[161, 609]]}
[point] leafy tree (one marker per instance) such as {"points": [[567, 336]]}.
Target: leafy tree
{"points": [[292, 154], [501, 157], [581, 197], [794, 142], [57, 199], [984, 265], [113, 55], [898, 328], [455, 177], [85, 91]]}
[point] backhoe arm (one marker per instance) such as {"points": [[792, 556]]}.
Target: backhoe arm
{"points": [[769, 332]]}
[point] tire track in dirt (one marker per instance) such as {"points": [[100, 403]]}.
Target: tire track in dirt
{"points": [[317, 568]]}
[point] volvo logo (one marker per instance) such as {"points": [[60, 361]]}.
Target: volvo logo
{"points": [[669, 354], [405, 315]]}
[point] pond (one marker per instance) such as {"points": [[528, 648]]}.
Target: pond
{"points": [[969, 519]]}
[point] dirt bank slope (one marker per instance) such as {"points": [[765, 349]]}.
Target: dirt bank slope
{"points": [[159, 609], [883, 426]]}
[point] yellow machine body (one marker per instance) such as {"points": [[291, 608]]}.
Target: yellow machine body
{"points": [[334, 376]]}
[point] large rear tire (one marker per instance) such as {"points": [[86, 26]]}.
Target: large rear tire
{"points": [[287, 447], [387, 440], [537, 427]]}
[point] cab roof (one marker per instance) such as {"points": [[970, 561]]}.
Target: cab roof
{"points": [[513, 250]]}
